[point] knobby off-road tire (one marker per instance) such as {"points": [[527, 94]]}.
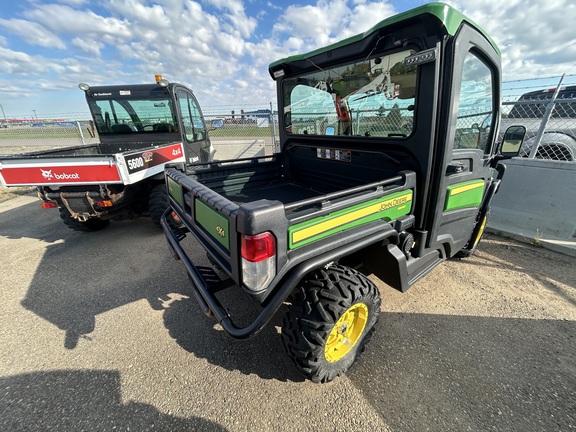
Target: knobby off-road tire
{"points": [[158, 202], [330, 321], [92, 224]]}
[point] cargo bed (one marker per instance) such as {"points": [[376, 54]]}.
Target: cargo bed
{"points": [[89, 165]]}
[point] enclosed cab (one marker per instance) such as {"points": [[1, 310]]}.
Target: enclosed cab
{"points": [[129, 117]]}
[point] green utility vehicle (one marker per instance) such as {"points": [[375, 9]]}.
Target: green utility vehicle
{"points": [[381, 171]]}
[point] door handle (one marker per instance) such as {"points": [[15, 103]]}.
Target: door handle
{"points": [[455, 168]]}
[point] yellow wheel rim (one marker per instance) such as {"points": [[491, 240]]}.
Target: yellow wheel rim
{"points": [[346, 332]]}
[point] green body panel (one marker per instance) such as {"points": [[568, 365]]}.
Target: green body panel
{"points": [[213, 222], [389, 207], [464, 195], [451, 20], [175, 191]]}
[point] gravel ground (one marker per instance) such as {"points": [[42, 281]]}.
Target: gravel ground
{"points": [[99, 332]]}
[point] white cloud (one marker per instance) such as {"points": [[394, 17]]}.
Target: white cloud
{"points": [[33, 33], [365, 15], [236, 19], [89, 46], [66, 20], [535, 37], [293, 44], [150, 17], [74, 2], [319, 24], [330, 21], [22, 64]]}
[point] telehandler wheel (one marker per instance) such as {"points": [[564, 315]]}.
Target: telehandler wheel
{"points": [[330, 321], [158, 202], [92, 224]]}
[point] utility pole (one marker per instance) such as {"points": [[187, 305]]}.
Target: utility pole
{"points": [[4, 114]]}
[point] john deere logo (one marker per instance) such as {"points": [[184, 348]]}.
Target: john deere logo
{"points": [[220, 231]]}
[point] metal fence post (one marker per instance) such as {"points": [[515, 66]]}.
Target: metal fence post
{"points": [[545, 119], [80, 132], [273, 128]]}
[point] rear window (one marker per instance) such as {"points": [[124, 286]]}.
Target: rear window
{"points": [[374, 97]]}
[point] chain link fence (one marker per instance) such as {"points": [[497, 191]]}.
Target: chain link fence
{"points": [[21, 136], [244, 133], [549, 115], [547, 107]]}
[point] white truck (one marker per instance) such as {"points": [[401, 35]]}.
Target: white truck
{"points": [[141, 128], [558, 139]]}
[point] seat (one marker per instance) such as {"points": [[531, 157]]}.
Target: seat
{"points": [[121, 129], [164, 127]]}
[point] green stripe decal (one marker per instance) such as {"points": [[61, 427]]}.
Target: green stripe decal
{"points": [[389, 207], [175, 191], [213, 222], [464, 195]]}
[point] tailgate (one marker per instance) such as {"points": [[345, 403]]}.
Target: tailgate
{"points": [[209, 216], [58, 171]]}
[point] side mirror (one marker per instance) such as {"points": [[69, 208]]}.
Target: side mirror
{"points": [[217, 123], [512, 141]]}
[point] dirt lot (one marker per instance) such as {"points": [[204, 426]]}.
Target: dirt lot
{"points": [[100, 332]]}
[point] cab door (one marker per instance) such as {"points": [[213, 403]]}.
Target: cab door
{"points": [[193, 128], [465, 176]]}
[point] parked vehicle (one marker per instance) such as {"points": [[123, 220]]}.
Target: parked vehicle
{"points": [[141, 128], [559, 139], [355, 189]]}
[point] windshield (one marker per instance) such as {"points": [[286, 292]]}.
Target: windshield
{"points": [[371, 97], [121, 115]]}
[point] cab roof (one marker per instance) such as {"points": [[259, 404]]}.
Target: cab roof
{"points": [[128, 90], [450, 19]]}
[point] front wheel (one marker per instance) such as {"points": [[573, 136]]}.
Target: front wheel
{"points": [[330, 321]]}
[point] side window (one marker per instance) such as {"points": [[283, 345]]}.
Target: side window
{"points": [[194, 128], [474, 119]]}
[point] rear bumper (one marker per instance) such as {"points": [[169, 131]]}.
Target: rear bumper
{"points": [[204, 286]]}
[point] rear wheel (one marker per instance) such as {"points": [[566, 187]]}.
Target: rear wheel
{"points": [[158, 202], [91, 224], [330, 321]]}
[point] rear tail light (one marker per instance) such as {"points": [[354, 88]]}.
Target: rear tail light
{"points": [[48, 204], [258, 260], [104, 203]]}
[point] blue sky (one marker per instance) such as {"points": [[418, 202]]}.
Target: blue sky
{"points": [[221, 48]]}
